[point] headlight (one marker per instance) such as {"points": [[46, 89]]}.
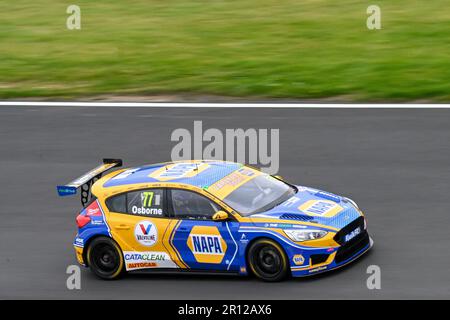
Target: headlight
{"points": [[303, 235]]}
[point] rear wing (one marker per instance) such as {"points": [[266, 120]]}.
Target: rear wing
{"points": [[86, 180]]}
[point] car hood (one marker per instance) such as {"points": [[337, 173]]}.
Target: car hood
{"points": [[312, 206]]}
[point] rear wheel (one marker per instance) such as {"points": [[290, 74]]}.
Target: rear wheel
{"points": [[267, 260], [105, 258]]}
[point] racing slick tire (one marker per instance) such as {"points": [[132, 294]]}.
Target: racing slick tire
{"points": [[105, 258], [268, 261]]}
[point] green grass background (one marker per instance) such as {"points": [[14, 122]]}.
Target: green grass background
{"points": [[246, 48]]}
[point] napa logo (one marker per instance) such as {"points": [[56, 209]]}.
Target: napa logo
{"points": [[206, 244], [178, 171], [298, 259], [320, 208]]}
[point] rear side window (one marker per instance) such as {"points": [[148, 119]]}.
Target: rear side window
{"points": [[146, 202], [117, 203]]}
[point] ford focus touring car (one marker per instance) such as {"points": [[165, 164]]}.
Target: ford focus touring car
{"points": [[211, 216]]}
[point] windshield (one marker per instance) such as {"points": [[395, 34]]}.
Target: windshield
{"points": [[259, 194]]}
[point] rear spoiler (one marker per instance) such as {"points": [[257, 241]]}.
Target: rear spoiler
{"points": [[86, 180]]}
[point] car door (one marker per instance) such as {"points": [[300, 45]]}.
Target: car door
{"points": [[138, 222], [202, 244]]}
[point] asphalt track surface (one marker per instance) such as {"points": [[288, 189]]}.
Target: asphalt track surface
{"points": [[394, 163]]}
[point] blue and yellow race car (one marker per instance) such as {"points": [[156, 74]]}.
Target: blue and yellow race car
{"points": [[211, 216]]}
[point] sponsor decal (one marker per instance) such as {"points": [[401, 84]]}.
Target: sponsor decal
{"points": [[91, 174], [282, 225], [244, 238], [125, 174], [93, 212], [147, 259], [146, 233], [97, 222], [352, 234], [147, 256], [290, 201], [178, 171], [231, 180], [318, 269], [329, 196], [206, 244], [320, 208], [146, 211], [66, 191], [79, 242], [149, 204], [141, 265], [246, 172], [298, 259], [228, 184]]}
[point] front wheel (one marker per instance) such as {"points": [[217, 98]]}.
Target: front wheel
{"points": [[105, 258], [267, 260]]}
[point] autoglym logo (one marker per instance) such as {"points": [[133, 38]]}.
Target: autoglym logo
{"points": [[146, 233], [206, 244], [251, 146]]}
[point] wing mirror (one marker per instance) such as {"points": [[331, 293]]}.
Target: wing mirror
{"points": [[220, 216]]}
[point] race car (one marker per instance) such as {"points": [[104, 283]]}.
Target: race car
{"points": [[211, 216]]}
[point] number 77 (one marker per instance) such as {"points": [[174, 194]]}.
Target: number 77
{"points": [[148, 198]]}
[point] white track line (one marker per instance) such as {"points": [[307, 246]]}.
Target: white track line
{"points": [[221, 105]]}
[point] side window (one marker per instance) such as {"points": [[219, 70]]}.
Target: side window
{"points": [[117, 203], [191, 205], [146, 202]]}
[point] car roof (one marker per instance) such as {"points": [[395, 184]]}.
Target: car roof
{"points": [[198, 173]]}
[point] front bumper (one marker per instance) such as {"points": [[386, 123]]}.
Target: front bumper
{"points": [[326, 259]]}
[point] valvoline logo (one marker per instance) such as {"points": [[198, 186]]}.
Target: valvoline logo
{"points": [[146, 233], [206, 244]]}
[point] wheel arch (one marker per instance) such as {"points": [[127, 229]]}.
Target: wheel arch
{"points": [[257, 238], [92, 238]]}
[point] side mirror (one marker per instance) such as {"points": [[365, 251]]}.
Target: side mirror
{"points": [[220, 216], [279, 178]]}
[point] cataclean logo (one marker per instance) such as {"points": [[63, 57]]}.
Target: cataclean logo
{"points": [[145, 257], [146, 233], [206, 244]]}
